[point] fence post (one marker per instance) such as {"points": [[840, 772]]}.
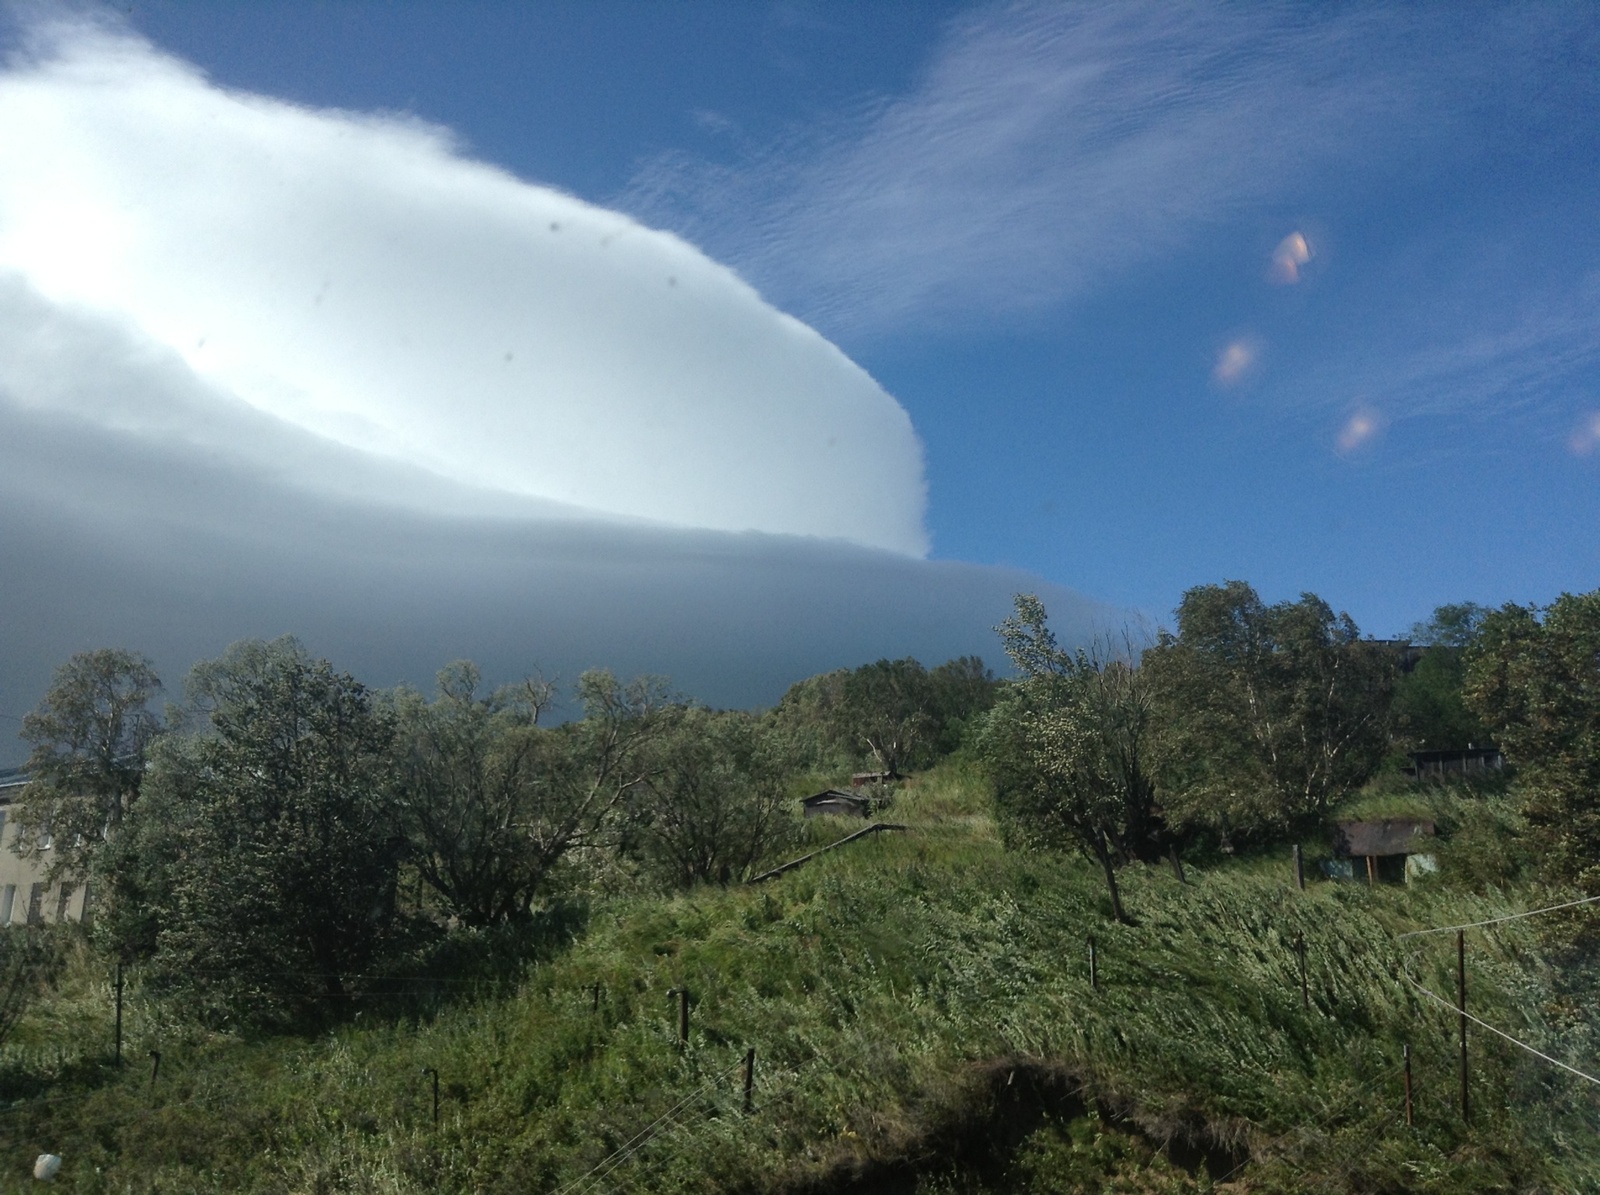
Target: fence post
{"points": [[1461, 1009], [1406, 1052], [1094, 965], [155, 1067], [426, 1071], [683, 1013], [119, 1012], [1177, 863], [749, 1078], [1305, 991]]}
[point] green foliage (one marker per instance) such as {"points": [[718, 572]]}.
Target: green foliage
{"points": [[1070, 748], [890, 989], [31, 956], [467, 784], [89, 737], [1534, 678], [1430, 710], [1452, 625], [714, 800], [493, 803], [266, 849], [1277, 712], [896, 714], [914, 999], [1088, 1153]]}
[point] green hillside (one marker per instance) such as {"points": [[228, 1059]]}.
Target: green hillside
{"points": [[921, 1010]]}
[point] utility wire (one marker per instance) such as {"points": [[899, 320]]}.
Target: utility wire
{"points": [[639, 1140], [1499, 1032], [629, 1147], [1450, 929]]}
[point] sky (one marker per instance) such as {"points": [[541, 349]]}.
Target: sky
{"points": [[738, 341]]}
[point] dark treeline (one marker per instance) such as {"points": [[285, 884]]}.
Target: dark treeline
{"points": [[285, 841]]}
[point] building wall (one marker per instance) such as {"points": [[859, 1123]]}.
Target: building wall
{"points": [[24, 895]]}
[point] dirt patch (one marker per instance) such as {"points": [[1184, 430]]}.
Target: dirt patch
{"points": [[973, 1137]]}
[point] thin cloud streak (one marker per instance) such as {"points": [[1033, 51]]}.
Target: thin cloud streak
{"points": [[1051, 148], [1499, 361]]}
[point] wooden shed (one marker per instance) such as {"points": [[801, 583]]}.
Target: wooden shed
{"points": [[834, 803], [862, 779], [1385, 845], [1436, 765]]}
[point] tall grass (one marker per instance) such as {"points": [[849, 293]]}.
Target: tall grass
{"points": [[894, 991]]}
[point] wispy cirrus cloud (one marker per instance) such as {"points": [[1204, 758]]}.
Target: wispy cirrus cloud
{"points": [[1051, 147], [1497, 349]]}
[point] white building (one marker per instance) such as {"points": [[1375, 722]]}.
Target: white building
{"points": [[25, 897]]}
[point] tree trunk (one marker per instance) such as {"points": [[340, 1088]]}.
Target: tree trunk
{"points": [[1103, 852]]}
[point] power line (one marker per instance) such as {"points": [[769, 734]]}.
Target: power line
{"points": [[640, 1139], [1450, 929], [1499, 1032]]}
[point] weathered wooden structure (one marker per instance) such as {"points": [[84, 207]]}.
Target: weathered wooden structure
{"points": [[1468, 761], [863, 779], [836, 803], [1385, 846]]}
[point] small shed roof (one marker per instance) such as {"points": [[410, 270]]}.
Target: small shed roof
{"points": [[835, 801], [861, 779], [1391, 836]]}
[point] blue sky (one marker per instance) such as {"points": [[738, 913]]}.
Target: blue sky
{"points": [[1052, 308], [1305, 296]]}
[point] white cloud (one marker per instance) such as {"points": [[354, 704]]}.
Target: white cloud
{"points": [[111, 538], [269, 370], [368, 301], [1052, 147]]}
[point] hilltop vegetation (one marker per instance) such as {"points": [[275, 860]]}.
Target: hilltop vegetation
{"points": [[515, 908]]}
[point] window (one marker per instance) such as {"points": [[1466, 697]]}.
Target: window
{"points": [[64, 902], [36, 905], [2, 824], [8, 900]]}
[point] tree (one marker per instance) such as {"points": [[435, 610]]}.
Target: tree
{"points": [[1277, 711], [464, 777], [266, 847], [1430, 711], [493, 802], [1071, 748], [89, 737], [963, 690], [896, 713], [888, 707], [1534, 678], [714, 799]]}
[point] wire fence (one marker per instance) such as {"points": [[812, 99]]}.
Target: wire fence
{"points": [[614, 1166]]}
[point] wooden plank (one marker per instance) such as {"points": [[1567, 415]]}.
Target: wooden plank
{"points": [[793, 863]]}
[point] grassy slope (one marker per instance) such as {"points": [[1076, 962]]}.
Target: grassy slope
{"points": [[910, 997]]}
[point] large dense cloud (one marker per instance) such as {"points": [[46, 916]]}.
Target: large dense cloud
{"points": [[357, 279], [269, 370]]}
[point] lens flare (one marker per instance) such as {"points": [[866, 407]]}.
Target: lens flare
{"points": [[1293, 252], [1234, 362], [1586, 436], [1359, 430]]}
